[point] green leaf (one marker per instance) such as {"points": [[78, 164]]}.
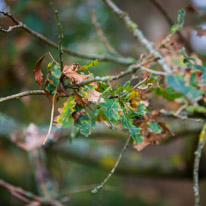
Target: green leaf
{"points": [[168, 93], [74, 133], [90, 64], [177, 82], [66, 118], [127, 124], [50, 88], [180, 21], [84, 125], [154, 127], [111, 109]]}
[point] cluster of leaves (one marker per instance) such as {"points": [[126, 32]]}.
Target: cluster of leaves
{"points": [[122, 106], [118, 106]]}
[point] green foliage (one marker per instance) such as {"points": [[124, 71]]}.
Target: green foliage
{"points": [[167, 93], [177, 82], [84, 125], [65, 118], [53, 76], [180, 21], [90, 64], [154, 127], [127, 124]]}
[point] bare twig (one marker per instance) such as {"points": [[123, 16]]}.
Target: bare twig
{"points": [[100, 186], [202, 140], [20, 193], [102, 35], [137, 33], [11, 28], [52, 117], [170, 23], [60, 49], [118, 60], [22, 94]]}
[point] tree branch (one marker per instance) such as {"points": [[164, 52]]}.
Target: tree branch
{"points": [[100, 186], [202, 140], [101, 34], [60, 48], [137, 33], [22, 94], [119, 60]]}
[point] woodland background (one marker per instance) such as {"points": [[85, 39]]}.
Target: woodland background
{"points": [[87, 161]]}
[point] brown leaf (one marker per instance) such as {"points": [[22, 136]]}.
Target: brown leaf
{"points": [[94, 96], [70, 72], [165, 128], [80, 100], [31, 138], [142, 145], [38, 75]]}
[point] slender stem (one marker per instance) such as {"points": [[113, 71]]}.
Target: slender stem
{"points": [[119, 60], [22, 94], [102, 35], [202, 140], [52, 117], [137, 33], [60, 49], [100, 186]]}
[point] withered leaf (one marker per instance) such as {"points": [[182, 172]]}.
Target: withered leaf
{"points": [[80, 100], [70, 72], [142, 145], [38, 75], [94, 96]]}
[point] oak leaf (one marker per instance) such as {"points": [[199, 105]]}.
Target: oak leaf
{"points": [[38, 75], [70, 72], [94, 96]]}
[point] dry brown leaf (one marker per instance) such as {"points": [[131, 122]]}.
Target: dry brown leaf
{"points": [[142, 145], [70, 72], [94, 96], [33, 138], [80, 100], [38, 75]]}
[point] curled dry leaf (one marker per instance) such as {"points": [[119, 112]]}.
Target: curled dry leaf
{"points": [[33, 138], [70, 72], [142, 145], [80, 100], [94, 96], [38, 75]]}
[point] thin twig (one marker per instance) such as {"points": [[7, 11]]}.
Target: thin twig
{"points": [[137, 33], [102, 35], [11, 28], [60, 49], [21, 193], [119, 60], [202, 140], [22, 94], [154, 71], [170, 23], [52, 117], [100, 186]]}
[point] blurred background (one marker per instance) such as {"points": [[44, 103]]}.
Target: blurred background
{"points": [[87, 161]]}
